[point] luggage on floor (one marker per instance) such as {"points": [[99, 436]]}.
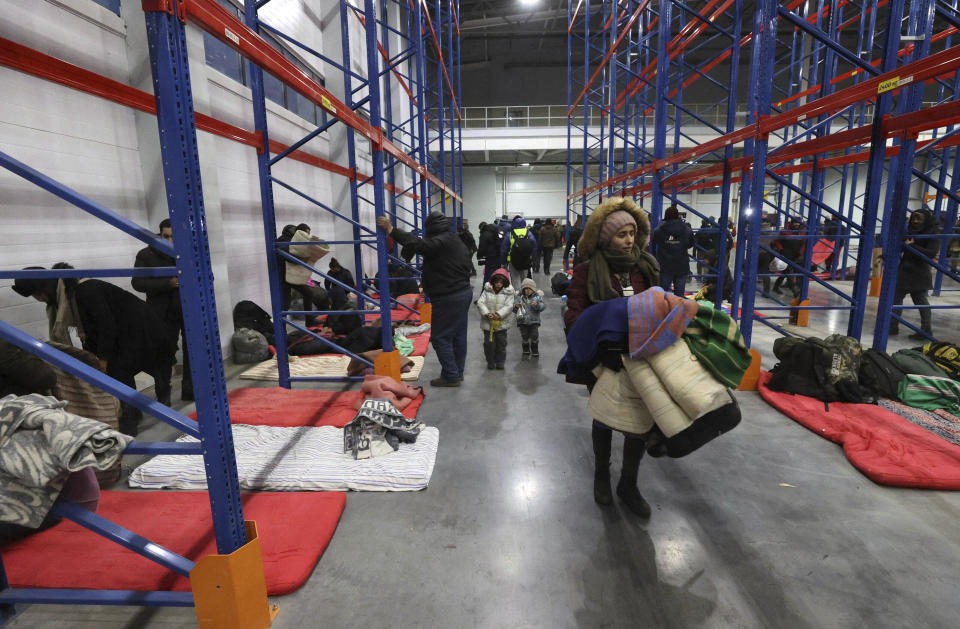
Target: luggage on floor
{"points": [[946, 356], [826, 369], [913, 361], [247, 314], [880, 374], [249, 346]]}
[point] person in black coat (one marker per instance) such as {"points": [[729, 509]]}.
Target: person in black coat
{"points": [[470, 243], [118, 327], [163, 295], [673, 237], [488, 252], [914, 276], [792, 249], [445, 277]]}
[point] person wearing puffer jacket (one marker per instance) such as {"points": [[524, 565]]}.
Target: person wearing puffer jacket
{"points": [[528, 307], [496, 311]]}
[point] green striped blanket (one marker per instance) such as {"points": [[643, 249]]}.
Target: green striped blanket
{"points": [[930, 392], [715, 339]]}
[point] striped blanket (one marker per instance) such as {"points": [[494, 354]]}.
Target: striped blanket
{"points": [[299, 459], [657, 320], [715, 339], [939, 422]]}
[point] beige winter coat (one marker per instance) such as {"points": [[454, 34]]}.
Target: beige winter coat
{"points": [[296, 274], [670, 388]]}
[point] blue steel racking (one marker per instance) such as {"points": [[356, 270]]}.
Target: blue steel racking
{"points": [[181, 168], [177, 125], [818, 125], [641, 73], [401, 185]]}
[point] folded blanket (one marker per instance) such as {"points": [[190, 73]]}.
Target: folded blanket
{"points": [[40, 444]]}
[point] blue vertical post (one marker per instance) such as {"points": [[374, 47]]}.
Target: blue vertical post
{"points": [[274, 267], [872, 198], [660, 113], [901, 175], [722, 251], [348, 96], [181, 169], [376, 158], [761, 86], [423, 130]]}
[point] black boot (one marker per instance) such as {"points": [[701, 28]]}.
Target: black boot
{"points": [[627, 487], [526, 348], [602, 439], [535, 349], [129, 419]]}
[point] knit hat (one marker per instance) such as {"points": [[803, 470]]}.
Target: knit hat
{"points": [[672, 212], [614, 223], [528, 283], [502, 274]]}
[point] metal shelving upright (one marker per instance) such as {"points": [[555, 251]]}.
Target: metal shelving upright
{"points": [[816, 111], [181, 169], [402, 179]]}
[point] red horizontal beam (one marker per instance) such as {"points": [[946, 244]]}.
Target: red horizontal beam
{"points": [[909, 74], [35, 63], [225, 26]]}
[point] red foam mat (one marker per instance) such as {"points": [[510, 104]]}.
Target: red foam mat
{"points": [[295, 528], [277, 406], [885, 447]]}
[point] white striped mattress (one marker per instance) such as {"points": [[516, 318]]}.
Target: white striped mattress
{"points": [[299, 459]]}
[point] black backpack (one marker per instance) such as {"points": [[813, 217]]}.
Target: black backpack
{"points": [[816, 368], [247, 314], [521, 251], [880, 374]]}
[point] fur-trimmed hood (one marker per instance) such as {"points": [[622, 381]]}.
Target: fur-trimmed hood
{"points": [[591, 233]]}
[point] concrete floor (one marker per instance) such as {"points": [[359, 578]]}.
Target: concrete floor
{"points": [[768, 526]]}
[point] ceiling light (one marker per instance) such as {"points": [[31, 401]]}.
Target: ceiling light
{"points": [[525, 164], [528, 2]]}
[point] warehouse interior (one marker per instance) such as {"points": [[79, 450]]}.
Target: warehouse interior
{"points": [[822, 124]]}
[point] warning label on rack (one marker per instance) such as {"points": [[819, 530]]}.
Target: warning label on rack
{"points": [[889, 84], [327, 105]]}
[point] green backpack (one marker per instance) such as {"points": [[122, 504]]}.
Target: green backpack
{"points": [[913, 361]]}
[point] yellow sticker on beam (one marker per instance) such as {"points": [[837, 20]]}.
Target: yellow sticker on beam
{"points": [[889, 84], [327, 105]]}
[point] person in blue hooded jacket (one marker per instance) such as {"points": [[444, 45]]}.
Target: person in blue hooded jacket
{"points": [[517, 264], [672, 238]]}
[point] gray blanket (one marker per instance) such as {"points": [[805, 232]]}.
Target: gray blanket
{"points": [[378, 429], [40, 444]]}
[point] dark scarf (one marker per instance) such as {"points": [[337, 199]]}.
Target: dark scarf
{"points": [[604, 261]]}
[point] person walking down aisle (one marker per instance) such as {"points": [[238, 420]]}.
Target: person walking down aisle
{"points": [[496, 304], [488, 251], [163, 295], [548, 242], [518, 250], [445, 278], [673, 237], [124, 332], [529, 305], [616, 266], [914, 275], [469, 242]]}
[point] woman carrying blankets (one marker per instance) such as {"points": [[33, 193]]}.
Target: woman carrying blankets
{"points": [[616, 266]]}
